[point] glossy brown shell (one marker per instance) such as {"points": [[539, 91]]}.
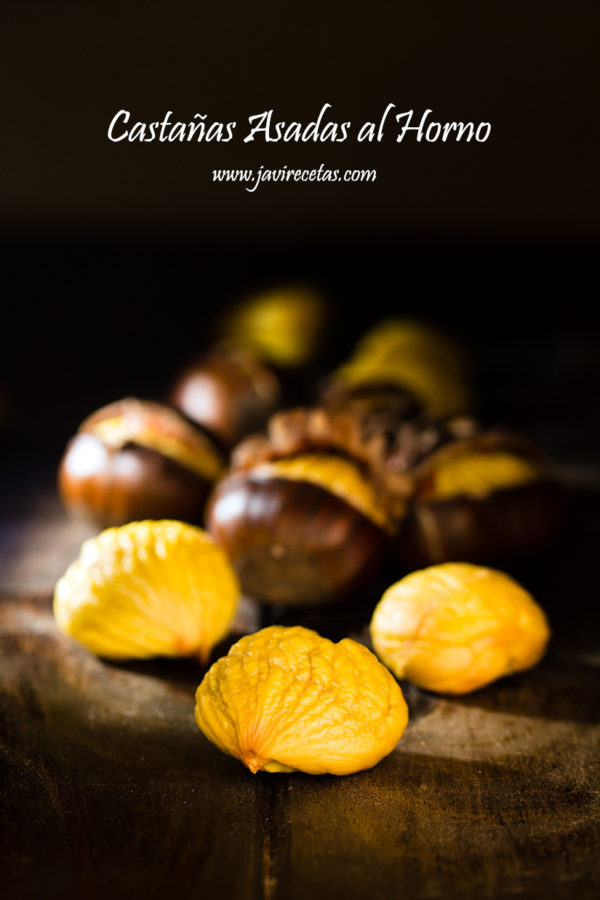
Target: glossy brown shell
{"points": [[229, 395], [292, 542], [112, 486], [508, 523]]}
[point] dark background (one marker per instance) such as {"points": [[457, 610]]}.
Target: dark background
{"points": [[118, 255]]}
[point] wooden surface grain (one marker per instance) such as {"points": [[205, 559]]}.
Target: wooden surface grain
{"points": [[110, 790]]}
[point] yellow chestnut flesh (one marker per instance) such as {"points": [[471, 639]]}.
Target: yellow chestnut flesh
{"points": [[334, 473], [287, 699], [416, 357], [477, 475], [456, 627], [285, 326], [152, 588], [117, 430], [135, 460]]}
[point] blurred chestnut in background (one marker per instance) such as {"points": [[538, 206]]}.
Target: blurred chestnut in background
{"points": [[230, 392], [487, 498], [286, 325], [371, 400], [412, 357], [299, 514], [134, 459]]}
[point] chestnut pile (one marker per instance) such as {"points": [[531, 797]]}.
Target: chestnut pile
{"points": [[384, 465]]}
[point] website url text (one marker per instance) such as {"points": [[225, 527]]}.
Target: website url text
{"points": [[251, 179]]}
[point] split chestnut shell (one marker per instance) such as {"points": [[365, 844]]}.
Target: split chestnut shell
{"points": [[486, 499], [292, 542], [133, 460], [509, 523]]}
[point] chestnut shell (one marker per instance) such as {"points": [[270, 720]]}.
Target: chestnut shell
{"points": [[227, 394], [112, 486], [507, 524], [372, 399], [292, 542]]}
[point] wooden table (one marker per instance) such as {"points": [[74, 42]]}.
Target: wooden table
{"points": [[110, 790]]}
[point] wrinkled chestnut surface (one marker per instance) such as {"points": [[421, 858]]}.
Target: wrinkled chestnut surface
{"points": [[287, 699], [116, 481], [457, 627], [291, 542]]}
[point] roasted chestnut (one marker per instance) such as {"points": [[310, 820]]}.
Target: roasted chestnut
{"points": [[301, 514], [285, 325], [134, 459], [411, 357], [229, 392], [371, 400], [487, 498]]}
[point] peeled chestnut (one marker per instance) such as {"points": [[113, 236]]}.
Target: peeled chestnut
{"points": [[229, 392], [484, 499], [299, 514], [133, 460]]}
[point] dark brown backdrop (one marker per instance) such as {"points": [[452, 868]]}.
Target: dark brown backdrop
{"points": [[530, 69]]}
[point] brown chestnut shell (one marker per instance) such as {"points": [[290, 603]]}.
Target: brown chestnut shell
{"points": [[292, 542], [509, 523], [229, 393], [149, 464], [372, 399], [112, 486]]}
